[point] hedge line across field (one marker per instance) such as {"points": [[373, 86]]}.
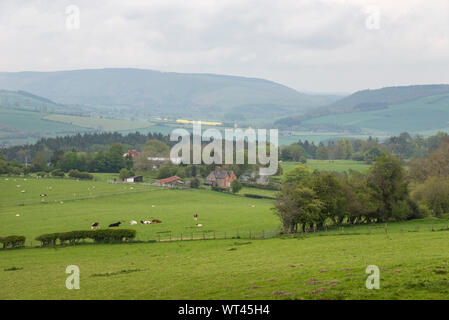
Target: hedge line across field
{"points": [[12, 241], [98, 236]]}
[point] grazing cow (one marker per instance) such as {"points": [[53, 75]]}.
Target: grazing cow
{"points": [[133, 222], [43, 195], [145, 222], [195, 216], [94, 225], [156, 221], [114, 224]]}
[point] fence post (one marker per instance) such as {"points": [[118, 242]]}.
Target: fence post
{"points": [[386, 228], [263, 234]]}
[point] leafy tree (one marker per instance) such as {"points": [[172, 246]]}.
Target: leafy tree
{"points": [[434, 195], [329, 190], [39, 163], [297, 206], [293, 152], [125, 173], [156, 148], [167, 170], [387, 180], [195, 183], [236, 186], [296, 175], [115, 161]]}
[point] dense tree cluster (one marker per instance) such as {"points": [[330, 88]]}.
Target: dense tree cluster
{"points": [[404, 146], [88, 142], [311, 200]]}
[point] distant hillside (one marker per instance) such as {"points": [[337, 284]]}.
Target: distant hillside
{"points": [[368, 100], [26, 101], [146, 92], [382, 110]]}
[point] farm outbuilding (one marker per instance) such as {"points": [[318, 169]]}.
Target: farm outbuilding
{"points": [[135, 179], [169, 182]]}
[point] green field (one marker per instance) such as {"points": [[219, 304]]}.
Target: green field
{"points": [[75, 205], [329, 165], [414, 260], [18, 127], [98, 123], [417, 116]]}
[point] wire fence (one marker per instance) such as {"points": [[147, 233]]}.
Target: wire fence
{"points": [[348, 230], [209, 235]]}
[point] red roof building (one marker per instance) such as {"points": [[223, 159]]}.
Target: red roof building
{"points": [[169, 182], [131, 153]]}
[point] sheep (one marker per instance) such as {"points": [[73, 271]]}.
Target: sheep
{"points": [[145, 222], [156, 221], [94, 225], [199, 225], [133, 222]]}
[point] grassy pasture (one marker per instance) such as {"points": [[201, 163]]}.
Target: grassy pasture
{"points": [[75, 205], [414, 260], [311, 267], [415, 116], [329, 165], [99, 124], [18, 126]]}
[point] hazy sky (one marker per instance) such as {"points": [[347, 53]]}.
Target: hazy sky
{"points": [[309, 45]]}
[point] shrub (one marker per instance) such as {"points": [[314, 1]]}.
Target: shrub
{"points": [[236, 186], [195, 183], [12, 241], [80, 175], [219, 189], [41, 174], [257, 196], [58, 173], [261, 186]]}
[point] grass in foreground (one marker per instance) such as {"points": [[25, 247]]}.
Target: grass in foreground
{"points": [[311, 267]]}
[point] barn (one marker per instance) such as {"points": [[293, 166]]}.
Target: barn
{"points": [[134, 179], [170, 182]]}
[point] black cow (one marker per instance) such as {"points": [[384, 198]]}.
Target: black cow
{"points": [[114, 224]]}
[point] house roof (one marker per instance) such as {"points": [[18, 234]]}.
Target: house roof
{"points": [[221, 174], [168, 180]]}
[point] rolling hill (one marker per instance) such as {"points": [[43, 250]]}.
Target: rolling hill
{"points": [[386, 111], [147, 92]]}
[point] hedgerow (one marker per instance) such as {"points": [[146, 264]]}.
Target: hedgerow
{"points": [[12, 241], [98, 236]]}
